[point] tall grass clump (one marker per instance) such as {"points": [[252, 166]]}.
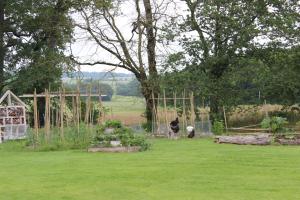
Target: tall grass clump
{"points": [[74, 138]]}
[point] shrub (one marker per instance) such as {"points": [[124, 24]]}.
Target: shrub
{"points": [[218, 128], [274, 124]]}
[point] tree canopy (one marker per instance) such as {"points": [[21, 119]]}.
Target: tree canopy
{"points": [[33, 38], [218, 38]]}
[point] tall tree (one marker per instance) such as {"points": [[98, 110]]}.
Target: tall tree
{"points": [[33, 37], [132, 48], [217, 34]]}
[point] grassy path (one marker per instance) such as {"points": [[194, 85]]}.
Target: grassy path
{"points": [[184, 169]]}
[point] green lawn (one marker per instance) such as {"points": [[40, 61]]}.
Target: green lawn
{"points": [[184, 169]]}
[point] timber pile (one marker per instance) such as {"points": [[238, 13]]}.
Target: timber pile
{"points": [[263, 139], [286, 140]]}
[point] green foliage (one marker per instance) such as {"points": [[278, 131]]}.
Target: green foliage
{"points": [[218, 127], [224, 52], [120, 133], [147, 126], [132, 88], [113, 124], [93, 86], [73, 139], [35, 37], [274, 124], [279, 81]]}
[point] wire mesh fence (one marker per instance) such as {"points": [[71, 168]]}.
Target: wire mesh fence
{"points": [[202, 128]]}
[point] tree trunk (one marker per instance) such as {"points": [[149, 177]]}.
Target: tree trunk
{"points": [[151, 83], [217, 71], [216, 112], [151, 40], [2, 47], [147, 93]]}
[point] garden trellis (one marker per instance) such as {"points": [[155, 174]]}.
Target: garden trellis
{"points": [[59, 118], [162, 116], [12, 117]]}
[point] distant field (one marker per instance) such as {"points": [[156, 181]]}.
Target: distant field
{"points": [[195, 169], [129, 110]]}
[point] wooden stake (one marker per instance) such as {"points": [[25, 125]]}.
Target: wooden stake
{"points": [[101, 110], [154, 114], [62, 102], [79, 101], [88, 107], [47, 115], [192, 110], [175, 106], [166, 113], [73, 111], [77, 110], [184, 119], [35, 115], [158, 114], [225, 119], [265, 108]]}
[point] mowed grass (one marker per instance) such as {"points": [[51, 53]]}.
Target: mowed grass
{"points": [[182, 169]]}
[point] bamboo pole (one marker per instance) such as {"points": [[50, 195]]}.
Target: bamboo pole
{"points": [[225, 119], [192, 110], [52, 116], [158, 114], [77, 110], [73, 111], [92, 113], [175, 105], [57, 117], [166, 112], [35, 115], [79, 101], [184, 119], [154, 114], [265, 108], [88, 107], [47, 115], [62, 102], [100, 107]]}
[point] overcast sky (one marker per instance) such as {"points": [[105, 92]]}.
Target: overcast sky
{"points": [[88, 51]]}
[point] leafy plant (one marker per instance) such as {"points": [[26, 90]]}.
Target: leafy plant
{"points": [[218, 128], [113, 124], [120, 133], [274, 124]]}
